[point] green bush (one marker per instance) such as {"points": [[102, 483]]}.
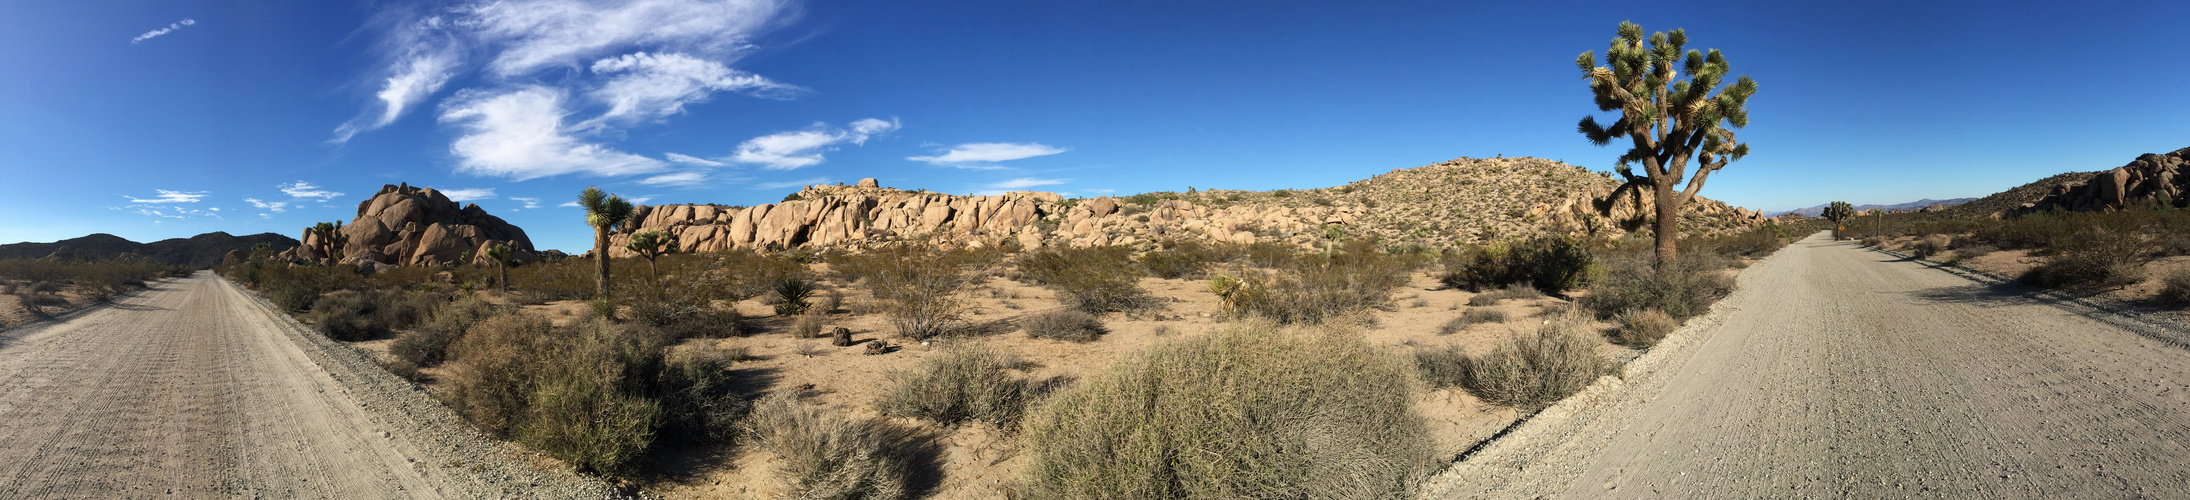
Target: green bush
{"points": [[1529, 370], [584, 394], [428, 343], [1684, 289], [1067, 324], [352, 316], [961, 382], [1314, 288], [1182, 259], [1092, 279], [792, 297], [825, 455], [699, 401], [1250, 411], [2099, 260], [1552, 264]]}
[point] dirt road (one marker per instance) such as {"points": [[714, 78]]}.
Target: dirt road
{"points": [[193, 388], [1841, 372]]}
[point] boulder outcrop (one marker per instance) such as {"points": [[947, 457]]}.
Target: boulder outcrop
{"points": [[1461, 201], [402, 225], [2151, 178]]}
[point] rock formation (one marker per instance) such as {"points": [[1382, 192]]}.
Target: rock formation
{"points": [[403, 225], [1461, 201], [2156, 177]]}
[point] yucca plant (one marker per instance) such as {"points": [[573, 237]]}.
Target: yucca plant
{"points": [[1670, 114], [652, 245], [792, 296]]}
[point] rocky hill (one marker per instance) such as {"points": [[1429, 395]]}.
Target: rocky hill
{"points": [[1462, 201], [1927, 203], [2007, 202], [406, 225], [2151, 176], [200, 251]]}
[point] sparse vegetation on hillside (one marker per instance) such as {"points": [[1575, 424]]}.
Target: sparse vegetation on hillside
{"points": [[1249, 411], [1092, 279], [923, 291]]}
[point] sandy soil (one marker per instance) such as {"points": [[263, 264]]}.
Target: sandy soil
{"points": [[979, 461], [1841, 372], [193, 388]]}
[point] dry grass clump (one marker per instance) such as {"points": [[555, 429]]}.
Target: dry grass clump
{"points": [[922, 291], [964, 381], [1684, 289], [1250, 411], [1092, 279], [1318, 287], [1513, 291], [1067, 324], [808, 325], [1528, 370], [1644, 328], [2099, 260], [827, 455], [1481, 316], [1929, 246]]}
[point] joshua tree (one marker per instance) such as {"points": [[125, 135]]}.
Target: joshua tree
{"points": [[1839, 212], [1669, 118], [651, 245], [605, 212], [499, 253], [331, 240]]}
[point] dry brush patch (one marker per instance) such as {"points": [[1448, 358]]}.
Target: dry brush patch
{"points": [[1528, 370]]}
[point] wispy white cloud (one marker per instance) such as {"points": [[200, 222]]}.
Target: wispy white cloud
{"points": [[468, 194], [301, 189], [171, 27], [804, 148], [984, 155], [1015, 185], [788, 184], [693, 160], [642, 199], [644, 86], [533, 34], [169, 196], [520, 134], [569, 204], [270, 206], [530, 203], [676, 179]]}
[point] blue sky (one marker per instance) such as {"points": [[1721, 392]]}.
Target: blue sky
{"points": [[161, 119]]}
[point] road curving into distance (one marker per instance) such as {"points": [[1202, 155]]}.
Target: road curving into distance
{"points": [[193, 388], [1841, 372]]}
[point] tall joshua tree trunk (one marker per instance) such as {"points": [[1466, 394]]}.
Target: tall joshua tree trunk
{"points": [[1669, 220]]}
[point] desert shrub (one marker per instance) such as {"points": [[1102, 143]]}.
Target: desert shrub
{"points": [[582, 393], [1454, 325], [1064, 324], [1314, 288], [498, 357], [7, 288], [923, 292], [1528, 370], [1644, 328], [826, 455], [961, 382], [428, 343], [1872, 241], [43, 300], [1552, 264], [1683, 289], [1092, 279], [807, 325], [1270, 254], [1759, 241], [1510, 292], [2175, 287], [1442, 367], [346, 315], [1180, 259], [1483, 316], [2099, 260], [1973, 251], [698, 398], [1929, 246], [45, 287], [1250, 411]]}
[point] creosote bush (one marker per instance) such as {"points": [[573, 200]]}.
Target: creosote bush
{"points": [[962, 382], [826, 455], [1684, 289], [1092, 279], [1552, 264], [352, 316], [1064, 324], [1249, 411], [2099, 260], [1185, 259], [922, 291], [1528, 370], [428, 343], [1317, 287]]}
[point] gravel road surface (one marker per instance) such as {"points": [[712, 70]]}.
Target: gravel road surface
{"points": [[194, 389], [1842, 372]]}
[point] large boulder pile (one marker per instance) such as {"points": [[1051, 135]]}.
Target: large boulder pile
{"points": [[404, 225], [2150, 176], [1463, 201]]}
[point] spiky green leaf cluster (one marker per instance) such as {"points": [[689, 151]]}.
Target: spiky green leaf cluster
{"points": [[1671, 105], [1839, 211], [603, 210]]}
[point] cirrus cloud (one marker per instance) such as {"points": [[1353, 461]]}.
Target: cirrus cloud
{"points": [[981, 155], [804, 148]]}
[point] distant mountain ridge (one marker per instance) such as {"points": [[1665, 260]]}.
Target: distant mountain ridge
{"points": [[1820, 209], [201, 250]]}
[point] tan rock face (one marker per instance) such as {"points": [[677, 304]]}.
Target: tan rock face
{"points": [[405, 225]]}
